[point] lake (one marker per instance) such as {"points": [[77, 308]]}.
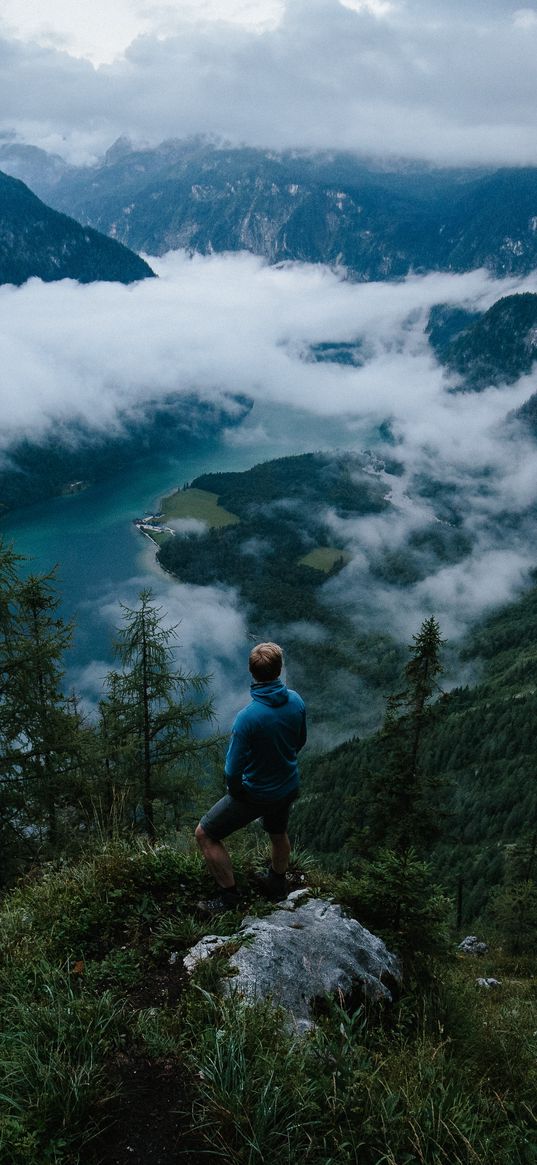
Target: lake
{"points": [[90, 535]]}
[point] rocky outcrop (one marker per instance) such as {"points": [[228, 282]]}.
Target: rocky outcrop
{"points": [[305, 950], [472, 946]]}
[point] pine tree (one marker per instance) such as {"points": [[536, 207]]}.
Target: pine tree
{"points": [[43, 749], [404, 813], [154, 707], [11, 837], [40, 731], [117, 756]]}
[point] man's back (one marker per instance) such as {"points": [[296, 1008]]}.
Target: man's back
{"points": [[266, 737]]}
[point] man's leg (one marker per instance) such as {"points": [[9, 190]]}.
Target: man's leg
{"points": [[222, 819], [216, 858], [274, 884], [281, 848]]}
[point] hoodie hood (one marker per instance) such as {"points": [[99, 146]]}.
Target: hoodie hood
{"points": [[274, 693]]}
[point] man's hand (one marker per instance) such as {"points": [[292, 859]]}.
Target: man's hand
{"points": [[235, 787]]}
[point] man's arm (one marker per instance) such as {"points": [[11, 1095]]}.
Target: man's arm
{"points": [[236, 758]]}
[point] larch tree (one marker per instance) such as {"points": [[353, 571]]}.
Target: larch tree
{"points": [[154, 708]]}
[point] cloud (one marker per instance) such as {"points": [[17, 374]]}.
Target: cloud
{"points": [[211, 639], [99, 353], [187, 526], [451, 82], [222, 324]]}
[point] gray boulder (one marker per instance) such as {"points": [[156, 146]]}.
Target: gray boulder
{"points": [[472, 946], [305, 950], [488, 983]]}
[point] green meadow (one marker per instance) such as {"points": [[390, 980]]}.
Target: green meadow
{"points": [[324, 558], [200, 504]]}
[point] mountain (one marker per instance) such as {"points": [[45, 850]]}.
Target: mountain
{"points": [[496, 347], [37, 241], [206, 199], [494, 224], [379, 219], [35, 167]]}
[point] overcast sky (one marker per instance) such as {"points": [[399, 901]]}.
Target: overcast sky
{"points": [[446, 80]]}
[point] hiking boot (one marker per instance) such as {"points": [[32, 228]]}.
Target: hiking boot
{"points": [[272, 885], [224, 902]]}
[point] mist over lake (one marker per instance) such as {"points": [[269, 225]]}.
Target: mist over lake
{"points": [[102, 558]]}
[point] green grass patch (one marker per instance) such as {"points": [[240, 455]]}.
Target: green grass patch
{"points": [[156, 537], [324, 558], [197, 503]]}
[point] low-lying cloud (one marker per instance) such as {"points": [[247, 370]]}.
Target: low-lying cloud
{"points": [[211, 639], [228, 324], [220, 325]]}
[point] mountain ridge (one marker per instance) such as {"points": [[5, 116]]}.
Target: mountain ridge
{"points": [[380, 220]]}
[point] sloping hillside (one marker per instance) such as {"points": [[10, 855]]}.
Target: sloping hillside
{"points": [[37, 241]]}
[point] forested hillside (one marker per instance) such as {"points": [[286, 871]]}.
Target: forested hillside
{"points": [[497, 347], [76, 458], [37, 241], [479, 750]]}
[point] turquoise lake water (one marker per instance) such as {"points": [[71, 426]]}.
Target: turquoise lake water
{"points": [[91, 538]]}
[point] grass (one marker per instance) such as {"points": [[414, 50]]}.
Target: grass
{"points": [[324, 558], [157, 536], [197, 503], [90, 1003]]}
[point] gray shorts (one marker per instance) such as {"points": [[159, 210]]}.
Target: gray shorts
{"points": [[231, 813]]}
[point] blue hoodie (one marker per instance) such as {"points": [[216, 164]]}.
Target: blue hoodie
{"points": [[261, 760]]}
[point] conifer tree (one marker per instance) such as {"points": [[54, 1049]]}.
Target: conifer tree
{"points": [[42, 753], [117, 754], [403, 813], [154, 707], [11, 838], [40, 732], [403, 819]]}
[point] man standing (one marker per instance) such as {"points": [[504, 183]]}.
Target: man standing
{"points": [[262, 776]]}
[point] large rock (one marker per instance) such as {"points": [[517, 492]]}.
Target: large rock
{"points": [[302, 952]]}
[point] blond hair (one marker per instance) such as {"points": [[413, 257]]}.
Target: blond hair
{"points": [[265, 662]]}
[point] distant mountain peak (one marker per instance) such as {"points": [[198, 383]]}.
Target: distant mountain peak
{"points": [[121, 148]]}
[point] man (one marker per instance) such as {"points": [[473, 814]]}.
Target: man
{"points": [[262, 776]]}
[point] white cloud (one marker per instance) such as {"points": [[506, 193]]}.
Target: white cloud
{"points": [[211, 640], [217, 325], [101, 31], [223, 324], [185, 526]]}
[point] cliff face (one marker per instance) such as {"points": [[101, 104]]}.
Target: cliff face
{"points": [[37, 241]]}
